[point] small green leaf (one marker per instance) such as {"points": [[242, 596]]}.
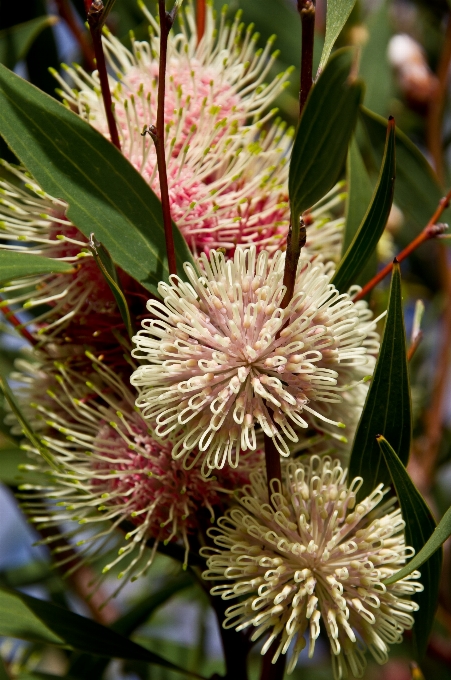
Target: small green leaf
{"points": [[373, 224], [323, 134], [106, 266], [28, 430], [387, 407], [28, 618], [73, 162], [417, 190], [17, 40], [16, 265], [420, 526], [441, 534], [360, 192], [337, 15]]}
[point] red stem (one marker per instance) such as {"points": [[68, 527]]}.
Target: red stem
{"points": [[200, 19], [65, 12], [431, 230], [166, 21], [307, 10], [95, 26], [272, 462], [14, 321]]}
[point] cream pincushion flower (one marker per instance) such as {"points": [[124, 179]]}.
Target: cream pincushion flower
{"points": [[220, 358], [317, 561]]}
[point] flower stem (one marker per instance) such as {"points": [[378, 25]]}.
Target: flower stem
{"points": [[295, 242], [95, 21], [18, 325], [431, 230], [66, 13], [200, 19], [307, 10], [166, 21]]}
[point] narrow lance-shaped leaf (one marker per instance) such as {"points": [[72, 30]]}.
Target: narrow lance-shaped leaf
{"points": [[420, 526], [387, 407], [373, 224], [417, 190], [441, 534], [27, 618], [323, 134], [73, 162], [28, 430], [359, 194], [106, 266], [337, 14], [15, 265], [17, 40]]}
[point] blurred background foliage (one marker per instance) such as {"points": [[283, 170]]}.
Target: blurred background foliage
{"points": [[167, 611]]}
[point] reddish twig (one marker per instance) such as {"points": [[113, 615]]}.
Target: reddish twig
{"points": [[431, 230], [18, 325], [65, 12], [436, 106], [414, 345], [307, 10], [200, 19], [95, 22], [157, 134]]}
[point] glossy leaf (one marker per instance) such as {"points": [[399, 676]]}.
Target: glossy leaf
{"points": [[337, 14], [16, 265], [360, 192], [373, 224], [106, 266], [74, 162], [373, 61], [420, 526], [26, 427], [28, 618], [323, 134], [417, 190], [441, 534], [17, 40], [387, 407]]}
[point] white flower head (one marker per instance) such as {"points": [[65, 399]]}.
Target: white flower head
{"points": [[221, 358], [315, 559]]}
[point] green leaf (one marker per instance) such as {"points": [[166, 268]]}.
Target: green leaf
{"points": [[75, 163], [91, 668], [106, 266], [374, 61], [28, 430], [28, 618], [17, 40], [420, 526], [387, 407], [441, 534], [360, 192], [338, 12], [16, 265], [373, 224], [323, 134], [417, 190], [3, 674]]}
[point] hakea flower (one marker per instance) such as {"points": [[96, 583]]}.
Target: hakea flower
{"points": [[227, 163], [315, 559], [110, 472], [220, 357]]}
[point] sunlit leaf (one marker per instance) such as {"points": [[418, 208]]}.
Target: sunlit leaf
{"points": [[420, 526], [15, 265], [337, 14], [373, 224], [73, 162], [387, 407]]}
